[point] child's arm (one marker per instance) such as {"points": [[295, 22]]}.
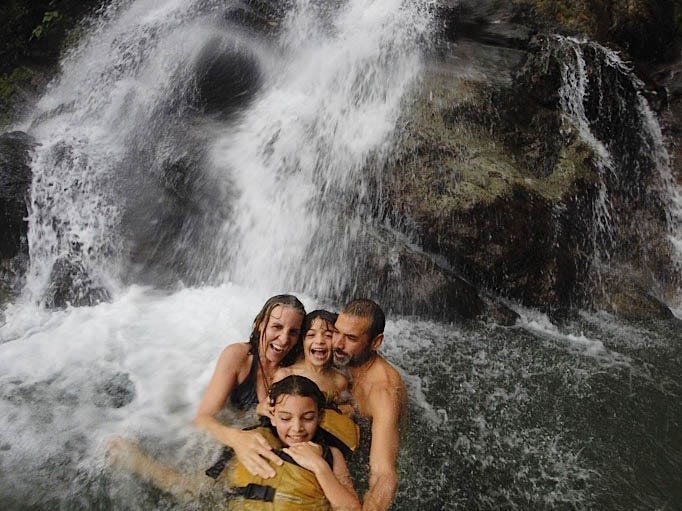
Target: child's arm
{"points": [[336, 484]]}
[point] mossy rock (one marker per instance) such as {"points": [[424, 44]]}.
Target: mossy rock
{"points": [[648, 30]]}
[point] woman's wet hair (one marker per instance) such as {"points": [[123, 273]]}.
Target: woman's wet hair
{"points": [[295, 385], [262, 318]]}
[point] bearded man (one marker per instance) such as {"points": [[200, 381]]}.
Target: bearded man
{"points": [[378, 394]]}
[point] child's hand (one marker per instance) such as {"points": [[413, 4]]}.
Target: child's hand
{"points": [[308, 455], [264, 409]]}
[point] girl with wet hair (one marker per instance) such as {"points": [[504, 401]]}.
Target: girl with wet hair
{"points": [[244, 374], [311, 475]]}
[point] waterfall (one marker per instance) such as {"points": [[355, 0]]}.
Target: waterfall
{"points": [[191, 163], [573, 93], [299, 158], [271, 181], [602, 99]]}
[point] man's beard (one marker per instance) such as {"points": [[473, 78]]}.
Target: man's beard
{"points": [[355, 360]]}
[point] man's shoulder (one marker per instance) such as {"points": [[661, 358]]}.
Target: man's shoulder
{"points": [[382, 371]]}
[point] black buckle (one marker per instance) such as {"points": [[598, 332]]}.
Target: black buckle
{"points": [[257, 492]]}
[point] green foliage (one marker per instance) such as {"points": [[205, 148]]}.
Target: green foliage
{"points": [[49, 18]]}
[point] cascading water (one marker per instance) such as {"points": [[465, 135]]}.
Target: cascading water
{"points": [[177, 145], [573, 93], [592, 99]]}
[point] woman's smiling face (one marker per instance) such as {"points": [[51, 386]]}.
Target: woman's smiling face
{"points": [[295, 418], [280, 333], [317, 342]]}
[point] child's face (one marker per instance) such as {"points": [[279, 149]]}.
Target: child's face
{"points": [[317, 343], [295, 418]]}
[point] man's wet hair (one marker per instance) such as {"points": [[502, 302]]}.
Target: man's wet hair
{"points": [[365, 308]]}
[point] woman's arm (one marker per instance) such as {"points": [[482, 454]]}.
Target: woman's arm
{"points": [[249, 446], [336, 484]]}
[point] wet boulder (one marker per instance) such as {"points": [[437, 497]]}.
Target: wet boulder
{"points": [[114, 391], [71, 285], [498, 178], [15, 184], [227, 77], [407, 280]]}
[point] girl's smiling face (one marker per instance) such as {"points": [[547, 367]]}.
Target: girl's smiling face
{"points": [[295, 418], [317, 342]]}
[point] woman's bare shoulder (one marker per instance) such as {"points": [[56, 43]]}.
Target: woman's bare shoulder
{"points": [[235, 353]]}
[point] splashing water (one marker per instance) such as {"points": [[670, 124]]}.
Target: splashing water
{"points": [[529, 416], [107, 100], [298, 155]]}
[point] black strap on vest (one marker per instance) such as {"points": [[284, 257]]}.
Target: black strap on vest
{"points": [[255, 492]]}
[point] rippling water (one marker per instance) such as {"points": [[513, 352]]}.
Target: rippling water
{"points": [[581, 415]]}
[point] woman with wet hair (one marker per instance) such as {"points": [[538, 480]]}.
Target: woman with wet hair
{"points": [[244, 374]]}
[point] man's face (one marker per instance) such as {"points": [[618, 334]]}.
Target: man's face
{"points": [[352, 345]]}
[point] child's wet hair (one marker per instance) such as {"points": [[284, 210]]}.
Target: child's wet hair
{"points": [[295, 385], [326, 316]]}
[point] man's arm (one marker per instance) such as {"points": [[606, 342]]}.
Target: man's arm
{"points": [[386, 408]]}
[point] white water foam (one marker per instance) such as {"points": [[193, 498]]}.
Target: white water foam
{"points": [[138, 365], [331, 105], [539, 324], [63, 373]]}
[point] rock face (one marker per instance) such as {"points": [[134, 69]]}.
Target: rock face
{"points": [[70, 284], [15, 184], [409, 281], [497, 176]]}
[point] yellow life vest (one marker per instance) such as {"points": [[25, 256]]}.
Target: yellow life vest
{"points": [[293, 487], [342, 429]]}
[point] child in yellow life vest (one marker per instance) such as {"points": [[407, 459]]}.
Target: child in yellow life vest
{"points": [[315, 363], [312, 476]]}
